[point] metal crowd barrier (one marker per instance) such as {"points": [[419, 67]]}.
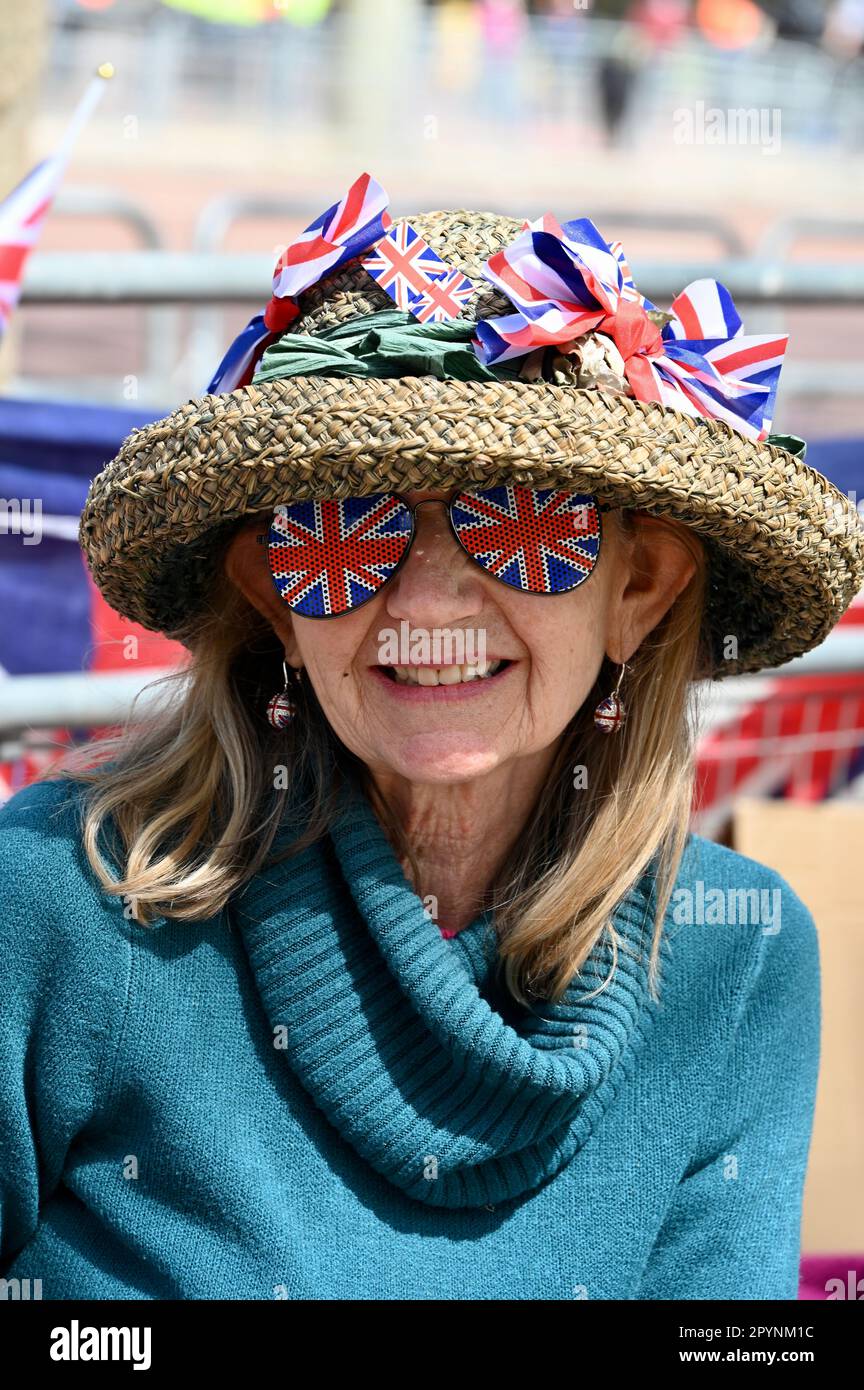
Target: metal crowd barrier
{"points": [[73, 700], [162, 324], [79, 700], [197, 277], [208, 279]]}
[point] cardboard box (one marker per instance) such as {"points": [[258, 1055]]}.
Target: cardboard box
{"points": [[819, 849]]}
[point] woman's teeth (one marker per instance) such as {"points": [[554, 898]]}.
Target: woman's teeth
{"points": [[445, 675]]}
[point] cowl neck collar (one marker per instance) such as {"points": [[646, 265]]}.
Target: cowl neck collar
{"points": [[390, 1029]]}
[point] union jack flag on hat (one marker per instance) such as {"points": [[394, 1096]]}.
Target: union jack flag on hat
{"points": [[415, 277], [563, 280], [568, 281], [709, 367], [344, 231]]}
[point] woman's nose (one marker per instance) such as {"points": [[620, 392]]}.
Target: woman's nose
{"points": [[436, 582]]}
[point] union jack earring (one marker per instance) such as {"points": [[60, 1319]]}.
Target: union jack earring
{"points": [[281, 709], [610, 715]]}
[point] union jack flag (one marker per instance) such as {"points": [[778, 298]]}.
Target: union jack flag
{"points": [[567, 281], [538, 540], [563, 281], [329, 556], [709, 366], [23, 211], [444, 298], [415, 277], [345, 230]]}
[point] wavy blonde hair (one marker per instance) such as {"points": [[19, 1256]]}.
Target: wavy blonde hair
{"points": [[190, 788]]}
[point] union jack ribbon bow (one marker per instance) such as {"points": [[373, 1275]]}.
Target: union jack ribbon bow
{"points": [[400, 260], [568, 281], [344, 231]]}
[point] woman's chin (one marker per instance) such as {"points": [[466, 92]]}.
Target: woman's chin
{"points": [[441, 757]]}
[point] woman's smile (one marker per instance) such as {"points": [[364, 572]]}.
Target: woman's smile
{"points": [[424, 682]]}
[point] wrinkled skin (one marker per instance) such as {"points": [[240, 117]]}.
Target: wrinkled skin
{"points": [[463, 771]]}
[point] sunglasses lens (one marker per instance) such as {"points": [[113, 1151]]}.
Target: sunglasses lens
{"points": [[328, 557], [543, 542]]}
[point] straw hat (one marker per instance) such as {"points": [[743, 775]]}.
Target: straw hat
{"points": [[786, 548]]}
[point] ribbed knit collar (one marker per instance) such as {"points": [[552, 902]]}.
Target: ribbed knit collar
{"points": [[385, 1023]]}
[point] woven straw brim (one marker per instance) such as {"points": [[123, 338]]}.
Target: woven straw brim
{"points": [[785, 547]]}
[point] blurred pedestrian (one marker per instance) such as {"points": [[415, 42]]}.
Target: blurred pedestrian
{"points": [[503, 25], [844, 29], [562, 33], [731, 24], [648, 27]]}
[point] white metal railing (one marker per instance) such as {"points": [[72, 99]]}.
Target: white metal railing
{"points": [[200, 277], [208, 279], [176, 66], [81, 699], [74, 700]]}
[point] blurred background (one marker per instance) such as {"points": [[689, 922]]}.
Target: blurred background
{"points": [[712, 137]]}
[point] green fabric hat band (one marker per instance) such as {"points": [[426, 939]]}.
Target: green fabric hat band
{"points": [[791, 443], [389, 343], [393, 343]]}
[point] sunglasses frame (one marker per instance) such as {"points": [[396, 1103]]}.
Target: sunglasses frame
{"points": [[600, 507]]}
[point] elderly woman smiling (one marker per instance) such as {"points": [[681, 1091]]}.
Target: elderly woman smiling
{"points": [[461, 756], [367, 968]]}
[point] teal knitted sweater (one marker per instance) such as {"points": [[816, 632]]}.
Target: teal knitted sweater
{"points": [[315, 1095]]}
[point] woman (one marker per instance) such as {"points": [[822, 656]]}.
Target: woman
{"points": [[366, 968]]}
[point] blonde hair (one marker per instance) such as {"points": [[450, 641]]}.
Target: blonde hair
{"points": [[190, 788]]}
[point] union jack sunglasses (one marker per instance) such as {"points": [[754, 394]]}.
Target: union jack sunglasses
{"points": [[330, 556]]}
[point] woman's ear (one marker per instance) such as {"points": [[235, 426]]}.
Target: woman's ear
{"points": [[247, 567], [657, 566]]}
